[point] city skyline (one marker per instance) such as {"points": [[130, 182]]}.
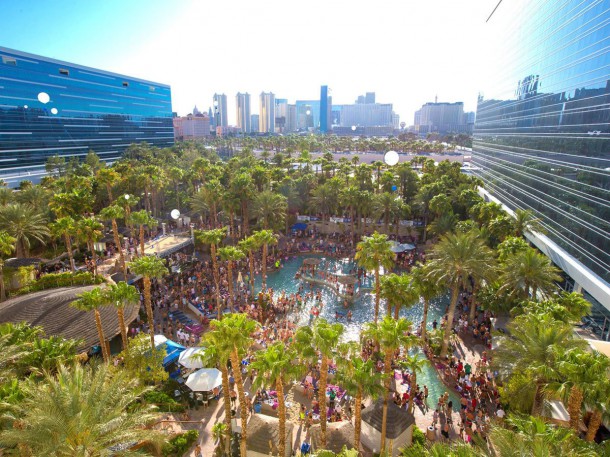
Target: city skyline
{"points": [[144, 41]]}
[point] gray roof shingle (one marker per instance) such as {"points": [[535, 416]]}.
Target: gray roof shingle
{"points": [[50, 309], [398, 419]]}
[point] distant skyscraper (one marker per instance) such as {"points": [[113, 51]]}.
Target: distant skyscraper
{"points": [[281, 113], [291, 118], [254, 123], [243, 112], [220, 110], [212, 118], [442, 118], [369, 97], [307, 114], [360, 100], [267, 112], [325, 108], [191, 127]]}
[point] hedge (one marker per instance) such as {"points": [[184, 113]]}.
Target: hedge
{"points": [[66, 279]]}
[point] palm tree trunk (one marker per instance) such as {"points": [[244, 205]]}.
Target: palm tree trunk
{"points": [[121, 314], [94, 256], [236, 364], [594, 423], [413, 389], [396, 310], [226, 392], [230, 281], [214, 219], [322, 399], [538, 399], [473, 307], [377, 286], [424, 319], [449, 324], [109, 190], [216, 278], [387, 368], [357, 418], [244, 215], [2, 291], [149, 311], [264, 279], [251, 255], [574, 404], [142, 239], [100, 333], [115, 232], [279, 385], [69, 248], [351, 216]]}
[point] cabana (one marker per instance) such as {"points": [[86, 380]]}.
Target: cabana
{"points": [[172, 349], [338, 434], [399, 432], [263, 436]]}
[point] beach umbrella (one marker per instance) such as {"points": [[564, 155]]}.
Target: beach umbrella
{"points": [[188, 360], [159, 340], [204, 380], [408, 246], [396, 247]]}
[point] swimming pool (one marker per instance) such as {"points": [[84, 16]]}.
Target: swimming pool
{"points": [[363, 309]]}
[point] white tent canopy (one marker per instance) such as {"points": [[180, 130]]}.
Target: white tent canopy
{"points": [[204, 380], [188, 360]]}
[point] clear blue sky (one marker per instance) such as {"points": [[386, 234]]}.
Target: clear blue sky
{"points": [[407, 51]]}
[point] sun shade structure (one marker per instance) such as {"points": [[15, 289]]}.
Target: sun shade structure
{"points": [[263, 436], [188, 358], [338, 434], [312, 261], [399, 426], [204, 380], [347, 280]]}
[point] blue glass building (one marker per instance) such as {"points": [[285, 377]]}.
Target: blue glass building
{"points": [[324, 110], [542, 133], [49, 107]]}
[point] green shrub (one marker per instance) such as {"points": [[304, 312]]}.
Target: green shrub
{"points": [[163, 401], [418, 437], [66, 279], [180, 443]]}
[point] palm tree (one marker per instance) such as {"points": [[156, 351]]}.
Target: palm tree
{"points": [[350, 197], [112, 213], [597, 399], [237, 329], [275, 367], [399, 291], [81, 411], [270, 208], [454, 261], [392, 335], [108, 177], [7, 245], [533, 436], [265, 238], [217, 353], [527, 272], [359, 378], [427, 290], [249, 245], [143, 218], [149, 267], [91, 301], [533, 349], [322, 339], [579, 371], [372, 253], [231, 254], [66, 227], [89, 230], [387, 206], [525, 221], [414, 363], [213, 237], [207, 199], [121, 295], [25, 224]]}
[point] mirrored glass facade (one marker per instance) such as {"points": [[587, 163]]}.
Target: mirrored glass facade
{"points": [[542, 132], [49, 107]]}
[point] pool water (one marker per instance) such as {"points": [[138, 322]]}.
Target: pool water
{"points": [[363, 309]]}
